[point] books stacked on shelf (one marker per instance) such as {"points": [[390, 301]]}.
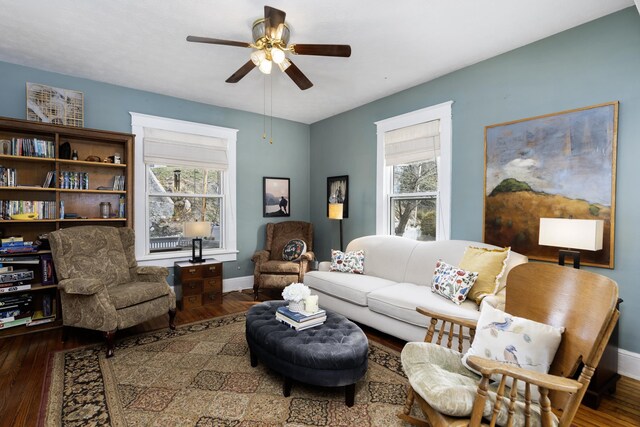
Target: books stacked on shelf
{"points": [[46, 315], [15, 280], [44, 208], [49, 179], [15, 310], [300, 321], [16, 245], [32, 147], [7, 177]]}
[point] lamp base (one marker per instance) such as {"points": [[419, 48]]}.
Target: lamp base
{"points": [[575, 255], [197, 260]]}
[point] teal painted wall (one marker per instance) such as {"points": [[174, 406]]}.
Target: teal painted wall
{"points": [[108, 106], [594, 63]]}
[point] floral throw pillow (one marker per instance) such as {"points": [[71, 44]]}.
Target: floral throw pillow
{"points": [[452, 282], [293, 250], [514, 340], [347, 262]]}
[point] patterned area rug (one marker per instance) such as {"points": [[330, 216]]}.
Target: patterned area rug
{"points": [[200, 375]]}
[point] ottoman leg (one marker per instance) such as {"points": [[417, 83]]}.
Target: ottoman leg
{"points": [[349, 394], [253, 358], [286, 387]]}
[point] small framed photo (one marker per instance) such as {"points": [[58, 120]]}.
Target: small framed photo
{"points": [[338, 192], [276, 197]]}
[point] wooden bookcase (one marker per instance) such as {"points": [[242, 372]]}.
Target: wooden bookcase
{"points": [[30, 172]]}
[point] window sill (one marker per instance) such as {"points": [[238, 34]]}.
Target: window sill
{"points": [[166, 259]]}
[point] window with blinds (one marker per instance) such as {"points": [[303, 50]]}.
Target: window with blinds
{"points": [[411, 149]]}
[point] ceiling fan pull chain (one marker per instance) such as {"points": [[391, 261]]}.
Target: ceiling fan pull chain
{"points": [[264, 108], [271, 110]]}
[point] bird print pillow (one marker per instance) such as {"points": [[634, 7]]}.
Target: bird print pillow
{"points": [[452, 282], [514, 340]]}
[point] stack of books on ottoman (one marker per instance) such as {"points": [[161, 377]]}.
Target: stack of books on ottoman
{"points": [[300, 320]]}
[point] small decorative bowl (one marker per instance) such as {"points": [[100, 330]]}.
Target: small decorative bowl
{"points": [[296, 306]]}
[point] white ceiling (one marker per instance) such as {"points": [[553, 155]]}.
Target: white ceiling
{"points": [[395, 44]]}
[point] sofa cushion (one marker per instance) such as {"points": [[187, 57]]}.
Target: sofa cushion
{"points": [[386, 256], [491, 265], [349, 287], [347, 262], [451, 282], [128, 294], [400, 301], [279, 267]]}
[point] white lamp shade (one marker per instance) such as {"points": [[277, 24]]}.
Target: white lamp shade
{"points": [[197, 229], [583, 234], [277, 55], [265, 66], [336, 210]]}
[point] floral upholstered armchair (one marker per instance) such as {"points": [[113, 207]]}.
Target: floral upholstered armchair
{"points": [[271, 269], [101, 285]]}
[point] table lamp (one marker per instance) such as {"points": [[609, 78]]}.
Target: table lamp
{"points": [[585, 234], [197, 230], [335, 212]]}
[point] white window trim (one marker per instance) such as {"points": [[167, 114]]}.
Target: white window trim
{"points": [[383, 176], [230, 251]]}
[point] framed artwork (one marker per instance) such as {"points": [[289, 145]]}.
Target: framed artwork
{"points": [[338, 192], [276, 197], [560, 165], [55, 105]]}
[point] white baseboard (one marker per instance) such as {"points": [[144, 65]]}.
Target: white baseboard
{"points": [[629, 364], [237, 284]]}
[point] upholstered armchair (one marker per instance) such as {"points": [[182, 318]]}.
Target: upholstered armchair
{"points": [[448, 393], [102, 287], [271, 271]]}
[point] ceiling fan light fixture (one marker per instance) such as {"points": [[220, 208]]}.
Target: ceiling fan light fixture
{"points": [[284, 64], [257, 56], [265, 66], [277, 55]]}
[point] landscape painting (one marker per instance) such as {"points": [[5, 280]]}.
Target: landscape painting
{"points": [[275, 197], [561, 165]]}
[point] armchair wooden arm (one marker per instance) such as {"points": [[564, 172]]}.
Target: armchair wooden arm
{"points": [[448, 325]]}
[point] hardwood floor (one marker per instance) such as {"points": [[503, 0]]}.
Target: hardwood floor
{"points": [[23, 366]]}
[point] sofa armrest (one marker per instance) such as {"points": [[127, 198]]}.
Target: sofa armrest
{"points": [[309, 256], [324, 266], [496, 301], [81, 286], [151, 273], [260, 256]]}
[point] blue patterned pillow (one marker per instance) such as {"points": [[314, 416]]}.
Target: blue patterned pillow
{"points": [[452, 282], [347, 262], [294, 250]]}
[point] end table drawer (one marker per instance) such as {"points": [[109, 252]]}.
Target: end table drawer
{"points": [[191, 301], [213, 284], [212, 270], [190, 273], [212, 298], [192, 288]]}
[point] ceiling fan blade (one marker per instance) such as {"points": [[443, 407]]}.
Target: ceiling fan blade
{"points": [[217, 41], [242, 71], [298, 77], [273, 22], [343, 50]]}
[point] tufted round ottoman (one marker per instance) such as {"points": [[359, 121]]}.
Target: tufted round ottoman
{"points": [[333, 354]]}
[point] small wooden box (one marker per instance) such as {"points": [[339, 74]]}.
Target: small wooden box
{"points": [[199, 283]]}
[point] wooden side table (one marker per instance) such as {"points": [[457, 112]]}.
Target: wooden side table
{"points": [[200, 283]]}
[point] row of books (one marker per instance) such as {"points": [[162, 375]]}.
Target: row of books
{"points": [[7, 177], [300, 321], [17, 310], [118, 182], [30, 147], [44, 208]]}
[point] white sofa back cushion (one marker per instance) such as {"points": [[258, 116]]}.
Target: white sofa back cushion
{"points": [[384, 256]]}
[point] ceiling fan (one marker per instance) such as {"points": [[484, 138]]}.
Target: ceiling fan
{"points": [[271, 45]]}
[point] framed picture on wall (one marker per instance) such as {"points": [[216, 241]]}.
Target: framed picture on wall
{"points": [[276, 197], [560, 165], [338, 192]]}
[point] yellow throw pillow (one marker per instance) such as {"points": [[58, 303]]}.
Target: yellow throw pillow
{"points": [[490, 264]]}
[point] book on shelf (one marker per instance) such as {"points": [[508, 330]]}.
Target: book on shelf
{"points": [[10, 277], [19, 260], [49, 179], [6, 269], [298, 316], [15, 287], [11, 239], [46, 267], [15, 322], [39, 318], [300, 325]]}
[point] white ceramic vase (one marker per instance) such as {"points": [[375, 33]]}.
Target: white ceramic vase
{"points": [[297, 306]]}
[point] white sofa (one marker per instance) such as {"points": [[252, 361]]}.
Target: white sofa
{"points": [[397, 278]]}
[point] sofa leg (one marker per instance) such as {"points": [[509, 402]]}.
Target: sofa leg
{"points": [[172, 318], [109, 337]]}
